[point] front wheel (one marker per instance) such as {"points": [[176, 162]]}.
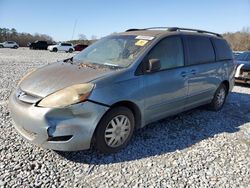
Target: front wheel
{"points": [[55, 50], [15, 47], [219, 98], [70, 50], [115, 130]]}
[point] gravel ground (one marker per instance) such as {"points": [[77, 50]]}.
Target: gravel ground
{"points": [[198, 148]]}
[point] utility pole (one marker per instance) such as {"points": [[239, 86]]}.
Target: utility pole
{"points": [[73, 33]]}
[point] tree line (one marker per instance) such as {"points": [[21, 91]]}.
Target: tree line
{"points": [[239, 41], [22, 38]]}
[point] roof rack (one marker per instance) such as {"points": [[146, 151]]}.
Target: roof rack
{"points": [[176, 29]]}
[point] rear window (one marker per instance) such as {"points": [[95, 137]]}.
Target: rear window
{"points": [[223, 51], [200, 50]]}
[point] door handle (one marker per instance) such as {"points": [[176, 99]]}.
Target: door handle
{"points": [[183, 74], [193, 71]]}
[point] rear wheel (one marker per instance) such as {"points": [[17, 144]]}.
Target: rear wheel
{"points": [[15, 47], [1, 46], [115, 130], [219, 98], [70, 50]]}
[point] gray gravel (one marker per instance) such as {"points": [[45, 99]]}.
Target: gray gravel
{"points": [[198, 148]]}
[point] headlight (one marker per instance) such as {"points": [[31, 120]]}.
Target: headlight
{"points": [[26, 75], [67, 96]]}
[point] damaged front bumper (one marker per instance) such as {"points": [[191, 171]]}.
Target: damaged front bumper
{"points": [[66, 129]]}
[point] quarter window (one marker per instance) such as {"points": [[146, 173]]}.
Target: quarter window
{"points": [[223, 51], [170, 53]]}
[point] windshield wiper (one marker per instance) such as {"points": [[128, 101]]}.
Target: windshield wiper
{"points": [[113, 65]]}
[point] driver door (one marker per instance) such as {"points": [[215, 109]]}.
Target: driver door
{"points": [[166, 90]]}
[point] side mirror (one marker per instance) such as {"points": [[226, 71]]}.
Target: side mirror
{"points": [[153, 65]]}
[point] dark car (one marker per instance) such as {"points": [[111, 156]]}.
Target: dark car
{"points": [[39, 45], [80, 47], [242, 74]]}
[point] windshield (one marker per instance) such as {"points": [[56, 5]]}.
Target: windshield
{"points": [[243, 56], [119, 51]]}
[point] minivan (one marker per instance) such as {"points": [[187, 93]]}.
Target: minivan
{"points": [[119, 84]]}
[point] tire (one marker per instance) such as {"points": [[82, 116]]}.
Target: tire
{"points": [[15, 47], [70, 50], [55, 50], [1, 46], [104, 142], [219, 98]]}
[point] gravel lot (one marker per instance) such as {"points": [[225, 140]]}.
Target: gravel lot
{"points": [[198, 148]]}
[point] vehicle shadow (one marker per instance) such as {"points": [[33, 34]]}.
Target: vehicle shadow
{"points": [[174, 133]]}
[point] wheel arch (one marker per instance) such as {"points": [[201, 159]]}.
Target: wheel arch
{"points": [[134, 108], [226, 83], [130, 105]]}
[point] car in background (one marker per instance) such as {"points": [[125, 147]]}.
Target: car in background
{"points": [[242, 74], [39, 45], [237, 53], [67, 47], [80, 47], [9, 44]]}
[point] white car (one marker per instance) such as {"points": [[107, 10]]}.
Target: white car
{"points": [[67, 47], [9, 44]]}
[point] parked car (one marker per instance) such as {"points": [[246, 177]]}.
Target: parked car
{"points": [[9, 44], [67, 47], [39, 45], [121, 83], [80, 47], [237, 53], [242, 74]]}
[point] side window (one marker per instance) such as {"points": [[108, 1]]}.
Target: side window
{"points": [[223, 51], [169, 51], [200, 50], [65, 44]]}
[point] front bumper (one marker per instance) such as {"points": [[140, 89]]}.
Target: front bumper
{"points": [[40, 125]]}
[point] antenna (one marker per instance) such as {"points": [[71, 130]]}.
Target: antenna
{"points": [[73, 33]]}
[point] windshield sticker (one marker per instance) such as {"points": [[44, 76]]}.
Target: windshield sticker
{"points": [[141, 37], [141, 42]]}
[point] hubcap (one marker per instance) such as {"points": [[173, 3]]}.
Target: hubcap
{"points": [[117, 131], [220, 97]]}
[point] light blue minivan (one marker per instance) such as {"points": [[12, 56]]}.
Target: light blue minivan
{"points": [[121, 83]]}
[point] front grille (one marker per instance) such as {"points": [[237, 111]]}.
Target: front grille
{"points": [[244, 73]]}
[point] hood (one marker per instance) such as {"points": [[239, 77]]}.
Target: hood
{"points": [[54, 77], [246, 64]]}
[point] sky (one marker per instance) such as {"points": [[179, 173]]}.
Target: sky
{"points": [[58, 18]]}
